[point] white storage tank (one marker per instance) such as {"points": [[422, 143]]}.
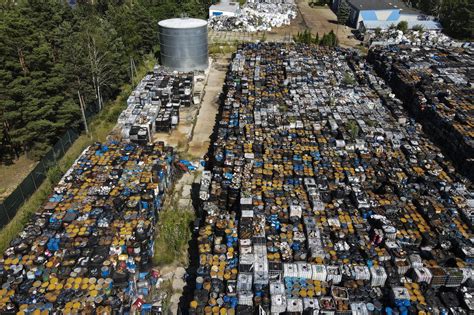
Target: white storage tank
{"points": [[183, 44]]}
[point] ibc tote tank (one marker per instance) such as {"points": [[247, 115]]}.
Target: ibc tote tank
{"points": [[183, 44]]}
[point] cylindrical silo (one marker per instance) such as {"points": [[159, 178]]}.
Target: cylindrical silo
{"points": [[183, 44]]}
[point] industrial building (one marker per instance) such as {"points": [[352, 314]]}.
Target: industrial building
{"points": [[226, 8], [426, 25], [383, 13], [183, 44]]}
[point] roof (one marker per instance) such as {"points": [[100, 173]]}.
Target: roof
{"points": [[427, 25], [182, 23], [380, 5], [225, 6]]}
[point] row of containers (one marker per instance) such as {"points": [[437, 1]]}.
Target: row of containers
{"points": [[89, 248], [323, 196], [436, 85], [155, 103]]}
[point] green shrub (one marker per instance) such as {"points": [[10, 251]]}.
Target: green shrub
{"points": [[402, 26], [54, 174], [418, 28], [174, 233]]}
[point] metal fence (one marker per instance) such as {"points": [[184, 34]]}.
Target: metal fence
{"points": [[28, 186]]}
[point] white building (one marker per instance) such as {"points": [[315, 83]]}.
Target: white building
{"points": [[224, 8]]}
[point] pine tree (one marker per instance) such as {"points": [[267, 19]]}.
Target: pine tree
{"points": [[343, 13], [431, 7], [457, 17], [49, 52], [402, 26]]}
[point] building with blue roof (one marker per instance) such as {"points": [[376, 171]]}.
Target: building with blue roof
{"points": [[225, 7], [427, 25], [383, 13]]}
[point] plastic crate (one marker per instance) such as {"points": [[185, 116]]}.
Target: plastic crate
{"points": [[439, 277], [455, 277]]}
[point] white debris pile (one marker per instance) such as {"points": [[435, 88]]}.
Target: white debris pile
{"points": [[414, 38], [255, 17]]}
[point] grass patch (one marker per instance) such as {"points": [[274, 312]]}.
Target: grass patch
{"points": [[363, 50], [100, 126], [11, 175], [174, 233], [222, 48]]}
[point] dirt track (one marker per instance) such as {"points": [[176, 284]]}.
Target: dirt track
{"points": [[208, 111]]}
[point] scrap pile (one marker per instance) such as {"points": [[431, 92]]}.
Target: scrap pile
{"points": [[437, 86], [154, 104], [415, 38], [324, 196], [89, 248], [256, 16]]}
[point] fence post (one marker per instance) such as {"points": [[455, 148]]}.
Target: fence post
{"points": [[68, 137], [21, 191], [45, 167], [6, 212], [54, 155], [33, 179], [62, 145]]}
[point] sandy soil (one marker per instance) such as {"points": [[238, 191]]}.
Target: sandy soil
{"points": [[209, 108], [322, 20], [180, 136], [12, 175]]}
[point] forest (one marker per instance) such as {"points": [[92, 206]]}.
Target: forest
{"points": [[456, 16], [53, 51]]}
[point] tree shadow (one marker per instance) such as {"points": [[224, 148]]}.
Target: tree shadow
{"points": [[193, 249], [193, 254]]}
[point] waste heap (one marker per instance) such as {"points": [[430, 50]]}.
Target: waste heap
{"points": [[324, 196], [437, 86], [88, 249], [155, 103], [393, 36], [256, 16]]}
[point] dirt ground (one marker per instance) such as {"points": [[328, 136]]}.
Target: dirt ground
{"points": [[179, 137], [12, 175], [323, 20], [209, 108]]}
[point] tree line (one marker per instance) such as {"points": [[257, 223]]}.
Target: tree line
{"points": [[456, 16], [52, 52], [306, 37]]}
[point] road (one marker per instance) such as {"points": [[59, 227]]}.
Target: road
{"points": [[209, 108]]}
